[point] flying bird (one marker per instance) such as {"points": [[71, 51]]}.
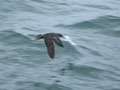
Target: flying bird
{"points": [[49, 38]]}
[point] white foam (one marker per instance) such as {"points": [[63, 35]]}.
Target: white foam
{"points": [[67, 38]]}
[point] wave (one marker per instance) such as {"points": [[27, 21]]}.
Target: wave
{"points": [[84, 69], [101, 22], [98, 6], [12, 36]]}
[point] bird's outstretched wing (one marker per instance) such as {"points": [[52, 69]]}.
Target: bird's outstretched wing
{"points": [[58, 41], [50, 47]]}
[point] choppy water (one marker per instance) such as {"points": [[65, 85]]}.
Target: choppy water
{"points": [[89, 60]]}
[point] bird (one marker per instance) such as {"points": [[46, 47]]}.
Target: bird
{"points": [[49, 39]]}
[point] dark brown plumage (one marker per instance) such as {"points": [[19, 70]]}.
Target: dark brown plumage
{"points": [[49, 38]]}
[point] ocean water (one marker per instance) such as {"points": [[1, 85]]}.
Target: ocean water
{"points": [[90, 58]]}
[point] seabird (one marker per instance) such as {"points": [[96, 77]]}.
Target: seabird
{"points": [[49, 38]]}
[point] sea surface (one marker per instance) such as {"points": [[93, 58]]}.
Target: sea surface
{"points": [[90, 59]]}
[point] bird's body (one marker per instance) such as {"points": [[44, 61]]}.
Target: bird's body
{"points": [[49, 38]]}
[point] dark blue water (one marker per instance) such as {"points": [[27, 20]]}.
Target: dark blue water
{"points": [[90, 58]]}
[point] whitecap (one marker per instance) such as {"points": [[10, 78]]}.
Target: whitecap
{"points": [[67, 38]]}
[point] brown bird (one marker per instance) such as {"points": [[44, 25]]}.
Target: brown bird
{"points": [[49, 38]]}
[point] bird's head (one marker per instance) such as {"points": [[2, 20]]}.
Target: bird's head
{"points": [[38, 37]]}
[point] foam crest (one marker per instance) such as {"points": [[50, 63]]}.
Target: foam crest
{"points": [[67, 38]]}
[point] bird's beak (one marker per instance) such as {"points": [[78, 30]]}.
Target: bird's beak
{"points": [[36, 39]]}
